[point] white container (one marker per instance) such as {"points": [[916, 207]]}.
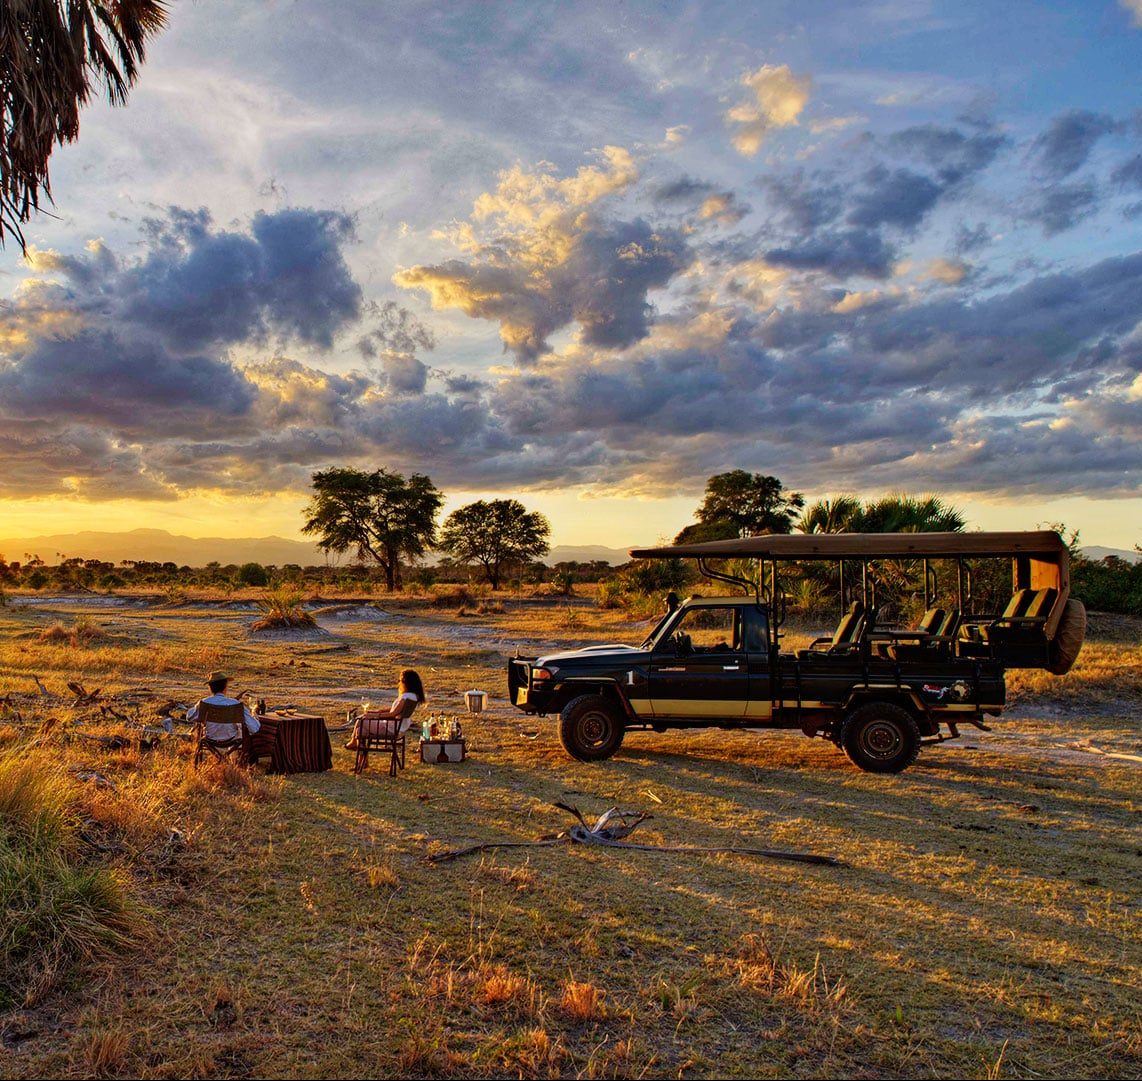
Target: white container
{"points": [[475, 701]]}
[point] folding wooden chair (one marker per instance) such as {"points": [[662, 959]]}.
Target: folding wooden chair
{"points": [[384, 735], [240, 743]]}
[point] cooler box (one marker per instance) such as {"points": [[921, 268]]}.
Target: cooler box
{"points": [[442, 750]]}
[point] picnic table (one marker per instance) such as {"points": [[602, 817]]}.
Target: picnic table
{"points": [[294, 742]]}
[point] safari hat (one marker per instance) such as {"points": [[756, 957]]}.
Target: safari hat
{"points": [[214, 677]]}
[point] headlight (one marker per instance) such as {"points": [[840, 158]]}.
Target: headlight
{"points": [[539, 675]]}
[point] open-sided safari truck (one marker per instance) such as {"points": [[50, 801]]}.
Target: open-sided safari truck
{"points": [[878, 692]]}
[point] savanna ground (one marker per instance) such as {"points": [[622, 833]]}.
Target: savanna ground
{"points": [[985, 924]]}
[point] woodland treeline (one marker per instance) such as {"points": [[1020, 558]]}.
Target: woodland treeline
{"points": [[381, 532]]}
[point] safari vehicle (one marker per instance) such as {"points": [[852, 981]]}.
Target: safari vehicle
{"points": [[876, 692]]}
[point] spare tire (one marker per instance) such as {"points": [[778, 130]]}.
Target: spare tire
{"points": [[1068, 638]]}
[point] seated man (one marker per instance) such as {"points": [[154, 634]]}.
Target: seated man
{"points": [[217, 682]]}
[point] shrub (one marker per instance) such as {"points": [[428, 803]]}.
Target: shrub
{"points": [[1108, 585], [83, 632], [253, 574], [610, 594], [282, 610], [563, 584], [655, 575]]}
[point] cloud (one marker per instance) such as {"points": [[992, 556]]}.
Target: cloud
{"points": [[1062, 207], [197, 287], [721, 206], [954, 154], [542, 257], [826, 125], [777, 98], [845, 225], [1135, 9], [1066, 145], [898, 197], [840, 252], [1129, 173], [133, 385]]}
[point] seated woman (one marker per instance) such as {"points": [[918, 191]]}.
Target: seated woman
{"points": [[398, 717]]}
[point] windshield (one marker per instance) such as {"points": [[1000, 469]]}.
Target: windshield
{"points": [[659, 627]]}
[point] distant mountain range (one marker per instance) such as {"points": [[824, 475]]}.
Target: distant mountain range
{"points": [[1096, 551], [159, 546]]}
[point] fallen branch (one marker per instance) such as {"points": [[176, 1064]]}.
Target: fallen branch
{"points": [[613, 826], [83, 697]]}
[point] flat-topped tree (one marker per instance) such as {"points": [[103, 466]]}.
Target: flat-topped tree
{"points": [[495, 534], [383, 515]]}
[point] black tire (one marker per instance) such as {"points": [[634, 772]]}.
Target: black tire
{"points": [[590, 728], [1068, 640], [881, 738]]}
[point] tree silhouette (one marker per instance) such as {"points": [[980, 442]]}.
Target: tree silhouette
{"points": [[494, 534], [742, 504], [380, 514]]}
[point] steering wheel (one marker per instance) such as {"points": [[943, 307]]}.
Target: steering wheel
{"points": [[682, 644]]}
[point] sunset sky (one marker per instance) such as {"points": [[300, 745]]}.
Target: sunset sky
{"points": [[587, 255]]}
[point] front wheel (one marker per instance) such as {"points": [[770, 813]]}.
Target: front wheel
{"points": [[881, 738], [590, 728]]}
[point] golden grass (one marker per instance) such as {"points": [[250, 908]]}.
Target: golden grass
{"points": [[986, 923]]}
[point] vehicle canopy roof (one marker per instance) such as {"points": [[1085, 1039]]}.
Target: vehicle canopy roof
{"points": [[1042, 544], [1040, 559]]}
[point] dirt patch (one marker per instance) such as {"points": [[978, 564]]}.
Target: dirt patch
{"points": [[353, 613], [290, 634]]}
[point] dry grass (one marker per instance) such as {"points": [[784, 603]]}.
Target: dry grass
{"points": [[986, 923]]}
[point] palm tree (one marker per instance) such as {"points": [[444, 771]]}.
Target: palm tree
{"points": [[53, 54], [890, 514], [831, 516]]}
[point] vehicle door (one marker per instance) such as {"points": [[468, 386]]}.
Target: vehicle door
{"points": [[755, 639], [702, 670]]}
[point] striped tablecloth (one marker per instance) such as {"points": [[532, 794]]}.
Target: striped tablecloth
{"points": [[294, 743]]}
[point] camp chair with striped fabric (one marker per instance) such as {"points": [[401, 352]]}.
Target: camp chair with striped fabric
{"points": [[384, 734], [234, 716]]}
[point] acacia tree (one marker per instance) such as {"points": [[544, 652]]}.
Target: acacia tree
{"points": [[742, 504], [52, 56], [494, 533], [383, 515]]}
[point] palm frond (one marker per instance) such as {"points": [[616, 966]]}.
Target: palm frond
{"points": [[53, 53]]}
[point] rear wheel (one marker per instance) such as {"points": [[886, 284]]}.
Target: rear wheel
{"points": [[590, 728], [881, 738]]}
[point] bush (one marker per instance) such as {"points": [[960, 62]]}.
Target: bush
{"points": [[253, 574], [609, 595], [282, 610], [655, 575], [1108, 585]]}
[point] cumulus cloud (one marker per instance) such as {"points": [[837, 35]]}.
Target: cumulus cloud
{"points": [[826, 341], [542, 256], [846, 225], [776, 99], [1135, 9]]}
